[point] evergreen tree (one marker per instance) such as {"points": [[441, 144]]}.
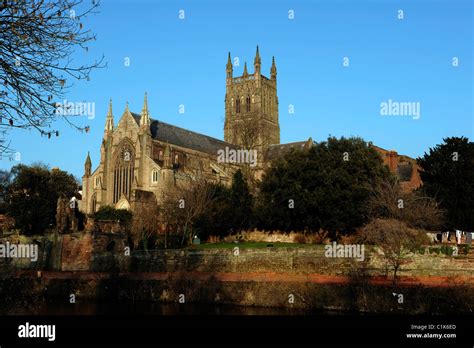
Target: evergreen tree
{"points": [[217, 218], [230, 209], [327, 186], [32, 196], [447, 172], [5, 181], [241, 202]]}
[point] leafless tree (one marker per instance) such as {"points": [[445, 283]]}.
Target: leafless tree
{"points": [[250, 134], [395, 239], [37, 41], [413, 208], [250, 139], [146, 222], [184, 204]]}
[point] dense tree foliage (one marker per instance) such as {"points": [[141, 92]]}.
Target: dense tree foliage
{"points": [[241, 202], [447, 172], [110, 213], [327, 186], [33, 194], [229, 210], [5, 181], [216, 220]]}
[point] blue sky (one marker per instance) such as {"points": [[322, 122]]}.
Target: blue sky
{"points": [[182, 61]]}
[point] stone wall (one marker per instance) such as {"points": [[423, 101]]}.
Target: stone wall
{"points": [[104, 252], [294, 260], [64, 252], [255, 277], [76, 252]]}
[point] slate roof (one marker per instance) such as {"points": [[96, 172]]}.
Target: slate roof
{"points": [[185, 138], [278, 150]]}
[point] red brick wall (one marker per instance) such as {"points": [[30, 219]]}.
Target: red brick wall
{"points": [[392, 159]]}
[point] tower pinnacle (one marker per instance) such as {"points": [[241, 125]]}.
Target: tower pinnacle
{"points": [[145, 116], [229, 68], [87, 165], [257, 62], [273, 70], [109, 121]]}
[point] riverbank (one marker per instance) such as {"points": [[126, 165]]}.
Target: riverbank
{"points": [[308, 293], [299, 277]]}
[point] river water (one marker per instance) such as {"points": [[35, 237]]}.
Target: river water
{"points": [[92, 307]]}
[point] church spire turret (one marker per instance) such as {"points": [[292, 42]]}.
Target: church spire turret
{"points": [[245, 69], [273, 70], [109, 122], [145, 116], [257, 62], [88, 165], [229, 68]]}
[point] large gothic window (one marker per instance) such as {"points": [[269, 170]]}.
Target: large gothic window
{"points": [[248, 104], [237, 105], [123, 172]]}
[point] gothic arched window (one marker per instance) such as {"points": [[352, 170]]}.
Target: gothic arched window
{"points": [[154, 176], [237, 105], [248, 103], [97, 181], [123, 172], [94, 203]]}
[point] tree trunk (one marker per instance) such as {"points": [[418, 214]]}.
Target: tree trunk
{"points": [[184, 233], [395, 269]]}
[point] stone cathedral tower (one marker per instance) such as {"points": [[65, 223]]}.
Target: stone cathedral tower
{"points": [[251, 107]]}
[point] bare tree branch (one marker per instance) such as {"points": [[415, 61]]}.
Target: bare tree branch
{"points": [[37, 40]]}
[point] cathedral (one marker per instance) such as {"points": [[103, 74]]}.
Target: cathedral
{"points": [[141, 157]]}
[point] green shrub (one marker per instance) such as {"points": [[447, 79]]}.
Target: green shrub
{"points": [[110, 213], [447, 250], [434, 251], [465, 248]]}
